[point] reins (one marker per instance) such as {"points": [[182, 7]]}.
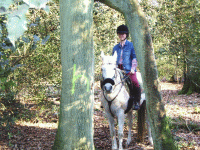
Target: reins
{"points": [[122, 79], [110, 102]]}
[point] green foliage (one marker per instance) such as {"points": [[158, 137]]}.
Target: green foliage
{"points": [[175, 31], [16, 24], [166, 132], [41, 66], [197, 110], [106, 20], [8, 105], [15, 17]]}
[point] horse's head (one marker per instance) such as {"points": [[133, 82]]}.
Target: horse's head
{"points": [[108, 71]]}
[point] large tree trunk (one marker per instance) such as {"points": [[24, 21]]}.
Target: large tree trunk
{"points": [[191, 82], [75, 129], [145, 54], [191, 73]]}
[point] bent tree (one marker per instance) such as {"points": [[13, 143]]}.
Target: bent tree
{"points": [[145, 54], [75, 120]]}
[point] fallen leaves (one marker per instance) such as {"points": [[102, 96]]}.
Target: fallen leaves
{"points": [[182, 109]]}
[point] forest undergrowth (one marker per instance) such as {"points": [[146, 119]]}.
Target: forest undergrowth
{"points": [[37, 127]]}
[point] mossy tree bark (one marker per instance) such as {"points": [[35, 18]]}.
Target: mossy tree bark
{"points": [[191, 74], [142, 42], [75, 129]]}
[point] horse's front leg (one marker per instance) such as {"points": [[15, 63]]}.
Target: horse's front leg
{"points": [[121, 117], [130, 123], [112, 130]]}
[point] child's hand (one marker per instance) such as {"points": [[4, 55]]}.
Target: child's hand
{"points": [[132, 71]]}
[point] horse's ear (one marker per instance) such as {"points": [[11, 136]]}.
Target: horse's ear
{"points": [[115, 55], [102, 54]]}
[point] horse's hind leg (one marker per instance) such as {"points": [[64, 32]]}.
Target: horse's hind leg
{"points": [[121, 117], [112, 130], [150, 139], [130, 122]]}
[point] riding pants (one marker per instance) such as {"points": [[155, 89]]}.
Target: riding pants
{"points": [[135, 90], [132, 77]]}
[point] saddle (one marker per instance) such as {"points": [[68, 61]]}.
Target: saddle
{"points": [[128, 83], [129, 87]]}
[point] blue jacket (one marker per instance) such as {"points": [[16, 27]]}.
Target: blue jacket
{"points": [[128, 55]]}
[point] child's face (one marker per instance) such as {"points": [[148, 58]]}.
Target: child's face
{"points": [[122, 36]]}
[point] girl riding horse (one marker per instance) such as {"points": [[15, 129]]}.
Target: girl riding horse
{"points": [[126, 60]]}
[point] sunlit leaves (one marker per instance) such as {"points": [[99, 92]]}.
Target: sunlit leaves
{"points": [[106, 21], [17, 23], [0, 31], [36, 3], [172, 25]]}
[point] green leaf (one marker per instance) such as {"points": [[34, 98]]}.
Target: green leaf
{"points": [[17, 23], [3, 87], [36, 38], [10, 135], [2, 9], [36, 3], [45, 40], [26, 40], [3, 79], [33, 25], [1, 32]]}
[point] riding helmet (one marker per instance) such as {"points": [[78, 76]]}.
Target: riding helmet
{"points": [[123, 29]]}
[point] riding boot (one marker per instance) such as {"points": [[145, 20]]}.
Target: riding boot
{"points": [[136, 93]]}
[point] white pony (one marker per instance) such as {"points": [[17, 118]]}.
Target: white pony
{"points": [[115, 98]]}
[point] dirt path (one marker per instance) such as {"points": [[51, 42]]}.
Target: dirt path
{"points": [[183, 112]]}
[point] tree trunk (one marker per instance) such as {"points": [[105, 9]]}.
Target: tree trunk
{"points": [[142, 42], [75, 129], [191, 76], [191, 84]]}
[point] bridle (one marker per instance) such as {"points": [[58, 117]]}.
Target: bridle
{"points": [[111, 80]]}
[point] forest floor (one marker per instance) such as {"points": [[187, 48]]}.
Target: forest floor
{"points": [[39, 131]]}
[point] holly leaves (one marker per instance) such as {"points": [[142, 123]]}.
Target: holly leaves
{"points": [[36, 3], [16, 19], [16, 24]]}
